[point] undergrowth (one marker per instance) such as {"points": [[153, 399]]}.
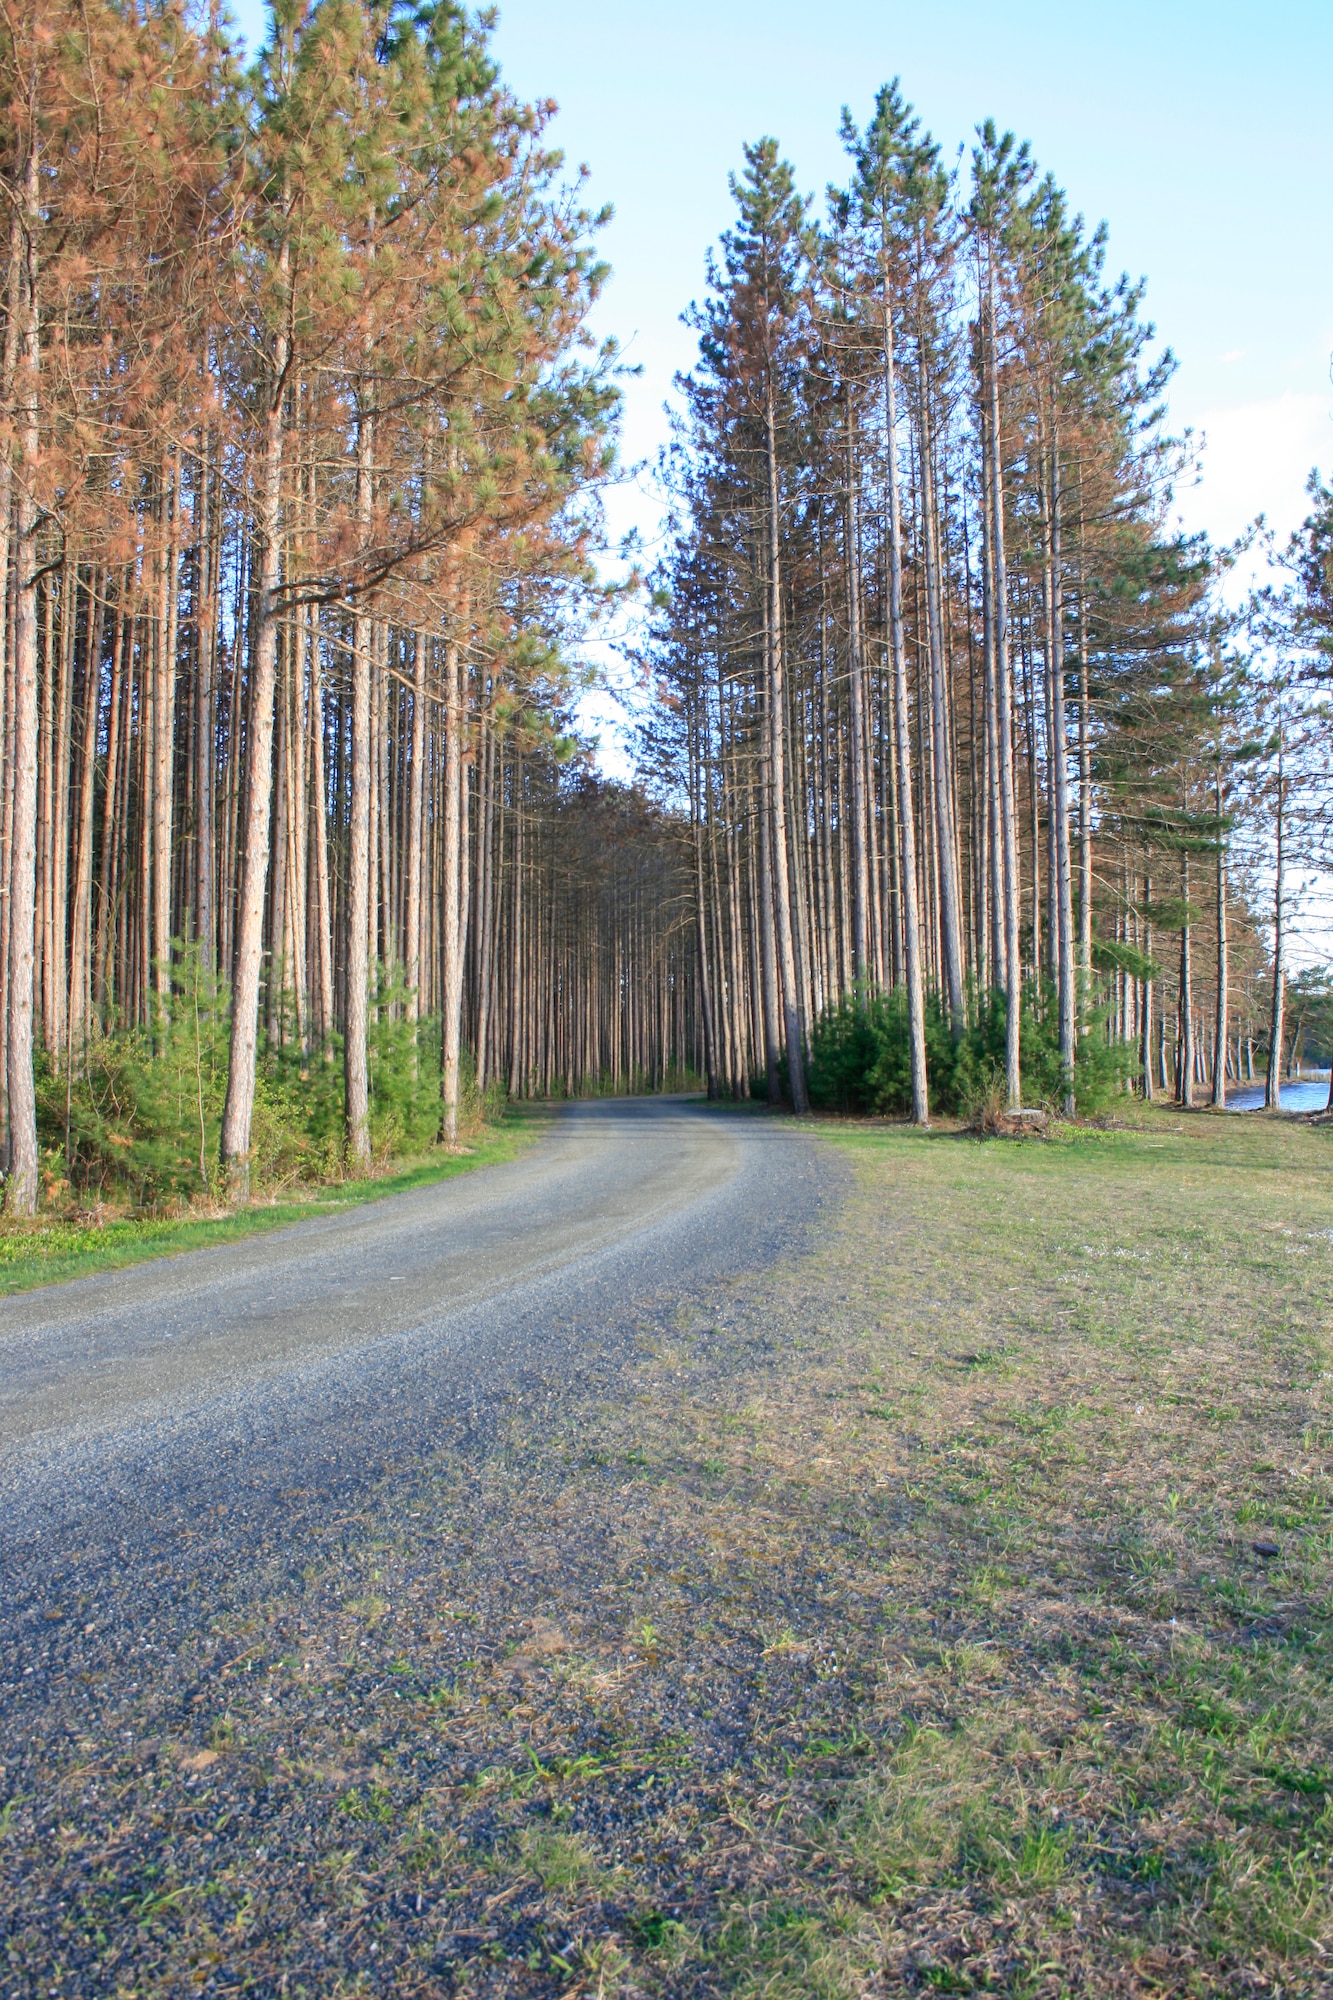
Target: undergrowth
{"points": [[135, 1122], [860, 1054]]}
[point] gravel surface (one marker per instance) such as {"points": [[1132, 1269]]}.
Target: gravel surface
{"points": [[182, 1443]]}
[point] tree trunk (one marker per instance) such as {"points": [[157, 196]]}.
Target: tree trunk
{"points": [[1004, 723], [1185, 1011], [415, 821], [856, 704], [360, 915], [164, 715], [1068, 984], [452, 914], [946, 837], [21, 1187], [81, 926], [238, 1110], [1084, 784], [777, 725], [205, 713], [1277, 1023], [1222, 1028], [1146, 1053]]}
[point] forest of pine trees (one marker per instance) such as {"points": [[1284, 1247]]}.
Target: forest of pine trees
{"points": [[304, 434], [982, 779]]}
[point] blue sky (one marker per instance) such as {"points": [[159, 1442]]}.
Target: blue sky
{"points": [[1203, 134]]}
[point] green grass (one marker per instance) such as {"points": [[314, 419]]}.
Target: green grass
{"points": [[1101, 1723], [54, 1249]]}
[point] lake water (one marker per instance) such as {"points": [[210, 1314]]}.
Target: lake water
{"points": [[1308, 1095]]}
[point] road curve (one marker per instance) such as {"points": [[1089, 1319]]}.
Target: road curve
{"points": [[269, 1380]]}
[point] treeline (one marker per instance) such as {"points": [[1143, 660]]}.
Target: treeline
{"points": [[301, 435], [953, 710]]}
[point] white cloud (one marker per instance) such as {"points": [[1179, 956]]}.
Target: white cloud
{"points": [[1256, 460]]}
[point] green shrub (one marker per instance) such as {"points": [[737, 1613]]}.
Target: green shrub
{"points": [[860, 1053], [140, 1116]]}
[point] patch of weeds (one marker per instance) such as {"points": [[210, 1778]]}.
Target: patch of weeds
{"points": [[1040, 1861], [371, 1802], [647, 1641], [560, 1861]]}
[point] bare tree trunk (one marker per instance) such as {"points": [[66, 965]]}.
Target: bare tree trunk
{"points": [[164, 715], [1004, 723], [489, 838], [116, 704], [415, 810], [452, 995], [238, 1110], [1084, 781], [21, 1187], [1185, 1013], [1146, 1054], [317, 805], [709, 1019], [81, 926], [1278, 1021], [777, 726], [1222, 1028], [8, 367], [767, 947], [999, 976], [902, 736], [946, 833], [205, 712], [356, 1082], [856, 704], [1068, 983]]}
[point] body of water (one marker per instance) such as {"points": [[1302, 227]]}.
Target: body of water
{"points": [[1310, 1094]]}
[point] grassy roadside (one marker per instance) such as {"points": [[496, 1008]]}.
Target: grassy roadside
{"points": [[948, 1613], [56, 1247]]}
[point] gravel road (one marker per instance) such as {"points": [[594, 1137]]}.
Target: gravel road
{"points": [[166, 1430]]}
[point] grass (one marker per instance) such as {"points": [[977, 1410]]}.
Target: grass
{"points": [[54, 1248], [897, 1624]]}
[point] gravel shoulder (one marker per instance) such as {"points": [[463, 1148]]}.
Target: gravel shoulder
{"points": [[184, 1444]]}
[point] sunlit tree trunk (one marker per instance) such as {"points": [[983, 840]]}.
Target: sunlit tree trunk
{"points": [[452, 900], [1185, 1008], [1146, 1046], [902, 740], [777, 753], [1277, 1032], [238, 1110], [1004, 721], [359, 915], [1063, 886], [1222, 1025], [21, 1185]]}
